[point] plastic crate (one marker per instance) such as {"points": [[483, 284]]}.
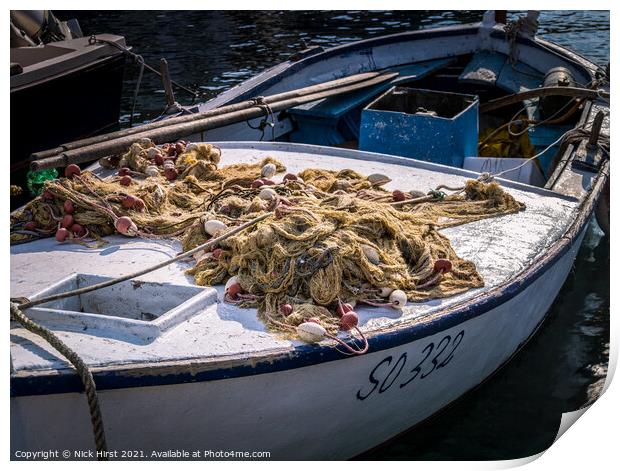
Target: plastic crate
{"points": [[428, 125]]}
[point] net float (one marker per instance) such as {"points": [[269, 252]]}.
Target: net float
{"points": [[159, 159], [68, 207], [126, 180], [124, 225], [257, 183], [217, 253], [385, 292], [378, 179], [179, 147], [398, 195], [232, 288], [48, 196], [349, 320], [152, 171], [62, 234], [132, 202], [398, 299], [30, 226], [213, 226], [268, 182], [145, 142], [268, 170], [71, 170], [290, 177], [124, 172], [311, 332], [267, 194], [171, 150], [286, 310], [67, 221], [371, 254], [199, 257], [153, 152], [442, 265], [78, 230], [170, 173], [342, 185], [343, 308]]}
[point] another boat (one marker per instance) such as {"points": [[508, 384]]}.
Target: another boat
{"points": [[177, 369], [64, 85]]}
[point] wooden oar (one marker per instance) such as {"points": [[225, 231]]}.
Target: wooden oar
{"points": [[300, 92], [176, 131], [540, 92]]}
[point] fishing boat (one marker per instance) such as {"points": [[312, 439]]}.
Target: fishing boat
{"points": [[55, 71], [178, 368]]}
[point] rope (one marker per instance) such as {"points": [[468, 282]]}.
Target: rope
{"points": [[157, 266], [137, 90], [137, 58], [571, 135], [521, 25], [90, 388], [553, 119], [261, 104]]}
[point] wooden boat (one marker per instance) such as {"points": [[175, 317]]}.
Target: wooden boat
{"points": [[198, 374]]}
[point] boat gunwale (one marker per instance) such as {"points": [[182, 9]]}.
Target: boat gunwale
{"points": [[271, 76], [107, 54]]}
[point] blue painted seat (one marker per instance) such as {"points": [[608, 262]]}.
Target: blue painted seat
{"points": [[494, 69], [330, 121], [484, 68]]}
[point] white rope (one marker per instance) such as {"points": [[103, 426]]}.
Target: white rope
{"points": [[559, 139]]}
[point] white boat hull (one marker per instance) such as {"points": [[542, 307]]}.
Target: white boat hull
{"points": [[314, 412]]}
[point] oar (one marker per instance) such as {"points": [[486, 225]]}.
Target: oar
{"points": [[176, 131], [332, 84]]}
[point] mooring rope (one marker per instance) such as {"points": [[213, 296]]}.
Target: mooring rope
{"points": [[90, 388], [138, 59]]}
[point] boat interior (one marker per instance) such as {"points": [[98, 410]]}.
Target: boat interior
{"points": [[337, 121], [440, 79]]}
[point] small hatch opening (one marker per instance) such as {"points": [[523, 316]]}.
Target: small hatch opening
{"points": [[133, 299]]}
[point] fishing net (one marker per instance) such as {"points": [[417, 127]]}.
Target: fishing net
{"points": [[332, 237]]}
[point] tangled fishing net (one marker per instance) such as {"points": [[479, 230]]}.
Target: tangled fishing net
{"points": [[333, 238]]}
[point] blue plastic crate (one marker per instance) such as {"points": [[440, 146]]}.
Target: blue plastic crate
{"points": [[429, 125]]}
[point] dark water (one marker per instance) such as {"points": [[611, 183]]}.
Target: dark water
{"points": [[563, 368]]}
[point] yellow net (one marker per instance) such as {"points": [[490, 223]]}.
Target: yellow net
{"points": [[333, 237]]}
